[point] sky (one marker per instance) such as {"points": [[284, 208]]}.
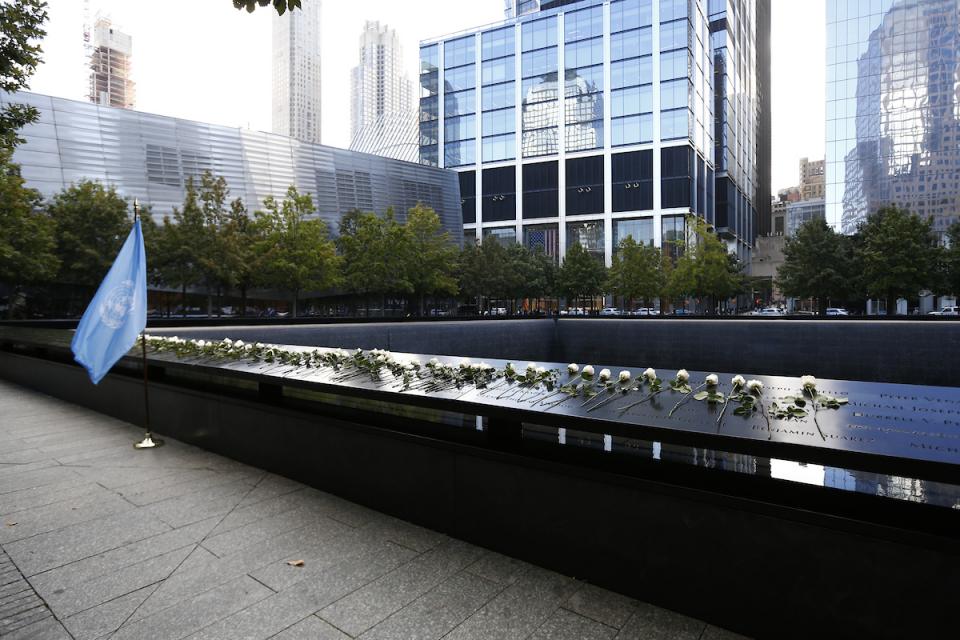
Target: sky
{"points": [[204, 60]]}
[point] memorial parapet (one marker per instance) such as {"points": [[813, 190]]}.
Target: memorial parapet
{"points": [[890, 428]]}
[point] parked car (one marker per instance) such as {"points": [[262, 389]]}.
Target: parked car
{"points": [[610, 311], [837, 311], [573, 311], [946, 311], [495, 311], [683, 312], [769, 311]]}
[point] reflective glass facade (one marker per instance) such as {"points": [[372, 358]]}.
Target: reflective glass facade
{"points": [[893, 108], [739, 36], [150, 157], [587, 122]]}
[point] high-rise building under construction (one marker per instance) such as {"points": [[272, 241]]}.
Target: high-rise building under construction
{"points": [[111, 83]]}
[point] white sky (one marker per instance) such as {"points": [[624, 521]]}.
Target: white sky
{"points": [[204, 60]]}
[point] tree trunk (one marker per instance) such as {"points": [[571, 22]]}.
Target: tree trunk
{"points": [[891, 305], [293, 309], [183, 300], [821, 306], [243, 302]]}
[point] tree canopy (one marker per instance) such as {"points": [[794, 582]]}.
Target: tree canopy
{"points": [[896, 255], [27, 241], [298, 254], [817, 264], [637, 272], [92, 221], [282, 6], [21, 26], [581, 274], [704, 269]]}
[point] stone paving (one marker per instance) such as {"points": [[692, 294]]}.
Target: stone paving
{"points": [[101, 541]]}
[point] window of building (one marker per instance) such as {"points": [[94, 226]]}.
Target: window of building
{"points": [[588, 235], [584, 185], [544, 238], [632, 181], [540, 190], [640, 229], [676, 182], [504, 236], [458, 52], [674, 237], [496, 44], [499, 194], [468, 196], [630, 14]]}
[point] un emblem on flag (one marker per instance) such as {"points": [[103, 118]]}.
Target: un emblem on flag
{"points": [[117, 304]]}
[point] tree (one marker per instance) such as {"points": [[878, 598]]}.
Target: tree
{"points": [[181, 244], [637, 272], [20, 27], [896, 256], [280, 5], [704, 269], [952, 260], [373, 250], [242, 235], [430, 255], [27, 240], [297, 253], [581, 274], [816, 264], [92, 223]]}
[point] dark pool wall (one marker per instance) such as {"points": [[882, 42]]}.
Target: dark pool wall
{"points": [[901, 352]]}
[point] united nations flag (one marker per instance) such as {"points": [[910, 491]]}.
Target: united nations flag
{"points": [[118, 312]]}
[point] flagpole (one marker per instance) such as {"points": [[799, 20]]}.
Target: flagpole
{"points": [[148, 442]]}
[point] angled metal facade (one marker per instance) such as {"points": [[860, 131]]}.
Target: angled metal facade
{"points": [[150, 157]]}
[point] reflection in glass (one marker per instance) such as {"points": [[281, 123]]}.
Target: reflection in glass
{"points": [[893, 112], [588, 235], [640, 229], [544, 238], [504, 236]]}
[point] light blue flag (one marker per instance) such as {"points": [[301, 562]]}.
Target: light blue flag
{"points": [[117, 314]]}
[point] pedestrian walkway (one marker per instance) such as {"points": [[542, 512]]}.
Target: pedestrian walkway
{"points": [[101, 541]]}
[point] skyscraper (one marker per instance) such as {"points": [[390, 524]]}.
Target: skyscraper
{"points": [[296, 72], [893, 112], [588, 122], [380, 91], [740, 41], [111, 83]]}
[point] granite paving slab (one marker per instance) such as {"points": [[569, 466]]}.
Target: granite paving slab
{"points": [[99, 541]]}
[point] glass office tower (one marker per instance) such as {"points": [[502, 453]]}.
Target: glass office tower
{"points": [[893, 105], [585, 122]]}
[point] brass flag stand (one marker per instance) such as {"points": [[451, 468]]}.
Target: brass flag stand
{"points": [[148, 442]]}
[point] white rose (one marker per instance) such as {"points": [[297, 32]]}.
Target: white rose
{"points": [[465, 363], [755, 386], [604, 375], [414, 363], [511, 368], [738, 381], [531, 366], [713, 380], [238, 344], [682, 375], [409, 366], [433, 362], [572, 368], [809, 383], [588, 371], [625, 376], [650, 374], [201, 344], [541, 371]]}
